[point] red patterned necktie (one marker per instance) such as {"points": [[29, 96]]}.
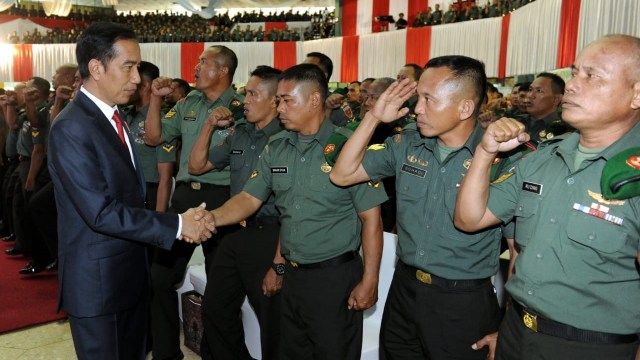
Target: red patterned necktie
{"points": [[118, 120]]}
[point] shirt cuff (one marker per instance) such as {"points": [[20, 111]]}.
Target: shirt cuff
{"points": [[179, 226]]}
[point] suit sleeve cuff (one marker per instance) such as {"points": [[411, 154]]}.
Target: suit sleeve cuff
{"points": [[179, 226]]}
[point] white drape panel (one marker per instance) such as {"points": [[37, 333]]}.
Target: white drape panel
{"points": [[47, 58], [57, 7], [479, 39], [300, 54], [331, 47], [599, 18], [19, 26], [365, 16], [6, 62], [533, 38], [5, 4], [396, 7], [166, 56], [250, 55], [382, 54]]}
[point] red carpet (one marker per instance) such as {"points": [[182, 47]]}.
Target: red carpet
{"points": [[25, 300]]}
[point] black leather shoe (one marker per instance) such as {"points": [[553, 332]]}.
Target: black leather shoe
{"points": [[52, 266], [13, 251], [10, 237], [31, 269]]}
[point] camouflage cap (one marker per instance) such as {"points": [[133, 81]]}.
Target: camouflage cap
{"points": [[621, 175]]}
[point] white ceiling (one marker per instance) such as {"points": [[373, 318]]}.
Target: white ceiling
{"points": [[149, 5]]}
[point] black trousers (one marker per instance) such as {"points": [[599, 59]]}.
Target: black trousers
{"points": [[8, 187], [243, 259], [517, 342], [169, 267], [42, 208], [315, 322], [24, 224], [423, 321], [113, 336]]}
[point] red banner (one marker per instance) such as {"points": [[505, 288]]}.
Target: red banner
{"points": [[284, 54], [568, 38], [504, 39], [189, 55], [418, 45], [22, 62], [349, 59]]}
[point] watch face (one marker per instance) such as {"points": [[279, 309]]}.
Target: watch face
{"points": [[279, 269]]}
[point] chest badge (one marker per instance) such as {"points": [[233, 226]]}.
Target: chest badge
{"points": [[325, 168]]}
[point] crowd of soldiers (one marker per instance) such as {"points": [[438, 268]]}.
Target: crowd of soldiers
{"points": [[470, 10], [170, 27]]}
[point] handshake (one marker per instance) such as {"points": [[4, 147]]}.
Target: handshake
{"points": [[197, 225]]}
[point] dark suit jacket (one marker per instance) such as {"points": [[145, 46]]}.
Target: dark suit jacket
{"points": [[103, 228]]}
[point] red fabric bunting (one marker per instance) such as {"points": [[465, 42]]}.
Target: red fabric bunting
{"points": [[274, 25], [349, 60], [349, 17], [22, 62], [418, 45], [189, 55], [568, 38], [380, 8], [284, 54], [504, 39]]}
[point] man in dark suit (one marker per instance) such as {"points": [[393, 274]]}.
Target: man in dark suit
{"points": [[99, 188]]}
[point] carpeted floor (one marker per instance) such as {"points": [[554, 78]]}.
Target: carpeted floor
{"points": [[25, 300]]}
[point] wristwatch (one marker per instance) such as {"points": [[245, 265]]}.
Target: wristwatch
{"points": [[278, 268]]}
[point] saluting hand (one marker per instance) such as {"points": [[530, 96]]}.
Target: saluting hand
{"points": [[387, 108]]}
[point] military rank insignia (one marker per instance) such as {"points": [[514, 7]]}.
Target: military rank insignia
{"points": [[170, 114], [167, 148], [376, 147], [325, 168], [467, 164], [254, 174], [35, 133], [236, 103]]}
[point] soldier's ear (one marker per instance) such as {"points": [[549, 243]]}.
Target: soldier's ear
{"points": [[466, 108], [635, 101]]}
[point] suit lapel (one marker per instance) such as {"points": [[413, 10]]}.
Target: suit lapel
{"points": [[104, 126]]}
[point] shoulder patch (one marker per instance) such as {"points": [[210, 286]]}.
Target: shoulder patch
{"points": [[329, 149], [35, 133]]}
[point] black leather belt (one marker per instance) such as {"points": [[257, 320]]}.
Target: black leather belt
{"points": [[194, 185], [431, 279], [335, 261], [261, 221], [553, 328]]}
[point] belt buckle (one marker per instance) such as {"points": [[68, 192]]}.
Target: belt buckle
{"points": [[195, 185], [530, 320], [423, 277]]}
